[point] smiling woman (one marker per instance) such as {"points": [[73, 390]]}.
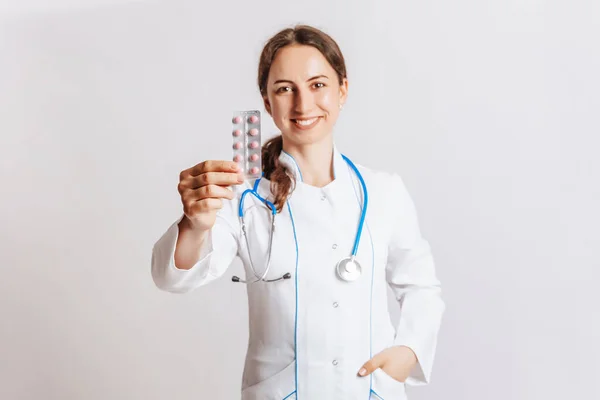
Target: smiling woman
{"points": [[324, 332], [303, 81]]}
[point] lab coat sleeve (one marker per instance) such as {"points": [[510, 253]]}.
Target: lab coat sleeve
{"points": [[412, 277], [216, 255]]}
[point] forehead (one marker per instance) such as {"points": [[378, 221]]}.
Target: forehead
{"points": [[299, 63]]}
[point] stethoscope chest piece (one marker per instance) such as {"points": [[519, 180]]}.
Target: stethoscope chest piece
{"points": [[348, 269]]}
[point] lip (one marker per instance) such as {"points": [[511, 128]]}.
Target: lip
{"points": [[305, 127]]}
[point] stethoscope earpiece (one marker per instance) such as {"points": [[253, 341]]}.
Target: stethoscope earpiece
{"points": [[287, 275]]}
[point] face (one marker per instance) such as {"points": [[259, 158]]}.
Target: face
{"points": [[304, 95]]}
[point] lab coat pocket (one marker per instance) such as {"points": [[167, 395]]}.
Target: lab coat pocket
{"points": [[386, 388], [280, 386]]}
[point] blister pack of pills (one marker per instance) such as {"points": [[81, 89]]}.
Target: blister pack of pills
{"points": [[247, 144]]}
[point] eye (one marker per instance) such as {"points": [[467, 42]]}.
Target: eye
{"points": [[284, 89], [319, 85]]}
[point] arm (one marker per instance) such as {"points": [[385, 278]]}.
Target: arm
{"points": [[183, 259], [411, 276], [189, 242]]}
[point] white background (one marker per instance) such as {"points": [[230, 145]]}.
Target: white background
{"points": [[488, 109]]}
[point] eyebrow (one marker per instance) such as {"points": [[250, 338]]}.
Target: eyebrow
{"points": [[311, 79]]}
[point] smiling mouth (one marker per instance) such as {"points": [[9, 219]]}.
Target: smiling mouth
{"points": [[306, 123]]}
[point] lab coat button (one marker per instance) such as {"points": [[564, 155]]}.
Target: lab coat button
{"points": [[334, 246], [323, 198], [335, 304], [334, 362]]}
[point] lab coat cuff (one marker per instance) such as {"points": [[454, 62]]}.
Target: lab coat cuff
{"points": [[203, 256], [204, 253], [418, 329], [166, 274], [419, 375]]}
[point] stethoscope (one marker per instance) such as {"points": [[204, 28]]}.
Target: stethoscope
{"points": [[348, 269]]}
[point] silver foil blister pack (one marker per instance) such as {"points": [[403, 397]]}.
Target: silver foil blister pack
{"points": [[247, 143]]}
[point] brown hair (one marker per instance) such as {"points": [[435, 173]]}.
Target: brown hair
{"points": [[281, 182]]}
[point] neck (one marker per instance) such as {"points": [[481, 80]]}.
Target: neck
{"points": [[315, 161]]}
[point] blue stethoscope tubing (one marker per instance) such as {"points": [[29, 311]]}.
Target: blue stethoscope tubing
{"points": [[347, 269], [364, 206]]}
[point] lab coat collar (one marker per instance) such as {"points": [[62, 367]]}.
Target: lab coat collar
{"points": [[340, 170]]}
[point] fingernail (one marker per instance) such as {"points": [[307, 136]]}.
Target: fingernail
{"points": [[362, 372]]}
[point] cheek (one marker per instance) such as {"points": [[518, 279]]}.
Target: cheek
{"points": [[280, 108], [328, 99]]}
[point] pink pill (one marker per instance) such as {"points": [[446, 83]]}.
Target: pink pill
{"points": [[254, 157], [253, 119], [254, 170], [237, 120], [238, 158], [253, 132], [253, 145], [237, 132], [238, 145]]}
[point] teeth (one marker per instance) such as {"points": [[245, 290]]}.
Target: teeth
{"points": [[305, 122]]}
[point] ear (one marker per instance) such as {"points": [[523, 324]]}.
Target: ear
{"points": [[267, 104], [343, 92]]}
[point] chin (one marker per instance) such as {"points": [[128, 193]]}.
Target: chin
{"points": [[301, 137]]}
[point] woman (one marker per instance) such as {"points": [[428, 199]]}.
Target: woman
{"points": [[313, 334]]}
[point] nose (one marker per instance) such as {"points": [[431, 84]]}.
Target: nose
{"points": [[304, 102]]}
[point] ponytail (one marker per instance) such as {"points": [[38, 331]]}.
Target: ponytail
{"points": [[281, 182]]}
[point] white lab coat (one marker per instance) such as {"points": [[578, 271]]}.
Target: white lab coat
{"points": [[309, 335]]}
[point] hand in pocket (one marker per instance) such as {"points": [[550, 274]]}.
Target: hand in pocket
{"points": [[396, 361]]}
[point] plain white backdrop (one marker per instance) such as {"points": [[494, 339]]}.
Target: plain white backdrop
{"points": [[488, 110]]}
